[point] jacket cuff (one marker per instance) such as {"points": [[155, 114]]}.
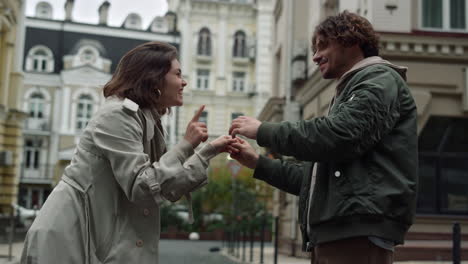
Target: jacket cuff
{"points": [[154, 186], [184, 150], [207, 152], [265, 133], [261, 170]]}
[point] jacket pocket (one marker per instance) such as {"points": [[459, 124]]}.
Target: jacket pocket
{"points": [[339, 179]]}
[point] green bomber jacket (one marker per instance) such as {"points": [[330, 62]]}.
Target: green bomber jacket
{"points": [[365, 153]]}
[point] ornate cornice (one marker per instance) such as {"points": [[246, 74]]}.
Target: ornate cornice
{"points": [[424, 46]]}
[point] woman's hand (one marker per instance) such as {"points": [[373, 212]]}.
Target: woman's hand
{"points": [[223, 144], [196, 132]]}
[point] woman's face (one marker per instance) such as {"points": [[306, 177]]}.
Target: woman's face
{"points": [[172, 93]]}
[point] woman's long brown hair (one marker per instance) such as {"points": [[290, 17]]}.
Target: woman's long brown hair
{"points": [[140, 72]]}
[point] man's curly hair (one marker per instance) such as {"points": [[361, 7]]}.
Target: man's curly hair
{"points": [[347, 29]]}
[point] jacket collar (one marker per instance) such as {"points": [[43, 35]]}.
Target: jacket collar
{"points": [[372, 61]]}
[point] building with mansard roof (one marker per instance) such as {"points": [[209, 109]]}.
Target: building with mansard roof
{"points": [[66, 64]]}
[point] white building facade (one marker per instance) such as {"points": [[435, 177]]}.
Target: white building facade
{"points": [[224, 57], [66, 65]]}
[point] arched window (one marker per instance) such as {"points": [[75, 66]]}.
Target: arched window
{"points": [[44, 10], [239, 49], [36, 106], [84, 111], [204, 42], [88, 55], [40, 59]]}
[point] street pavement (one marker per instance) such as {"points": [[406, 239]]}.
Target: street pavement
{"points": [[198, 252]]}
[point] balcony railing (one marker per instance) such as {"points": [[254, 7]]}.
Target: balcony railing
{"points": [[37, 173], [39, 124]]}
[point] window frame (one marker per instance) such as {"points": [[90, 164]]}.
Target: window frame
{"points": [[87, 101], [446, 27], [202, 79], [239, 50], [236, 81], [204, 47], [40, 63]]}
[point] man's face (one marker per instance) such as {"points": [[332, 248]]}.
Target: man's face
{"points": [[331, 58]]}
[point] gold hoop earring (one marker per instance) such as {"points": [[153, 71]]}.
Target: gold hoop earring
{"points": [[158, 93]]}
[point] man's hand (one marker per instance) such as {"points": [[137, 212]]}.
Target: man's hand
{"points": [[244, 154], [246, 126], [196, 132]]}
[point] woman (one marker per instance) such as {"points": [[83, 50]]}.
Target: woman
{"points": [[106, 207]]}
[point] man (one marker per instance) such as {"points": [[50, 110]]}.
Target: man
{"points": [[358, 185]]}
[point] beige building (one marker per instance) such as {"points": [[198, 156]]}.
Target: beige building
{"points": [[11, 117], [225, 59], [431, 38]]}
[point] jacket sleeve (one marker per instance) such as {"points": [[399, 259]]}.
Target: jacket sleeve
{"points": [[286, 176], [357, 123], [118, 135]]}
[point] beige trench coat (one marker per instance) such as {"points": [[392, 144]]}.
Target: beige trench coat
{"points": [[106, 207]]}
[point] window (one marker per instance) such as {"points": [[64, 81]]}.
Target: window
{"points": [[84, 111], [239, 49], [203, 77], [88, 56], [203, 117], [204, 42], [444, 14], [32, 151], [238, 81], [40, 59], [235, 115], [36, 106], [443, 166]]}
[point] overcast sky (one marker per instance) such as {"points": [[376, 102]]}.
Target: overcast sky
{"points": [[87, 10]]}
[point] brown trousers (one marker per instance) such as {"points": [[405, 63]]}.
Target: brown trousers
{"points": [[357, 250]]}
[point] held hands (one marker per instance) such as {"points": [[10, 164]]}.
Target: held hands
{"points": [[223, 144], [196, 132], [244, 153], [239, 149], [246, 126]]}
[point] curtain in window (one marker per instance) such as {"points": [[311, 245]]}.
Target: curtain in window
{"points": [[432, 13]]}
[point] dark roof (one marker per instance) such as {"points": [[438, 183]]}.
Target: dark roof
{"points": [[64, 43]]}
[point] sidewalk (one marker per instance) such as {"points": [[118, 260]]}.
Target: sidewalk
{"points": [[268, 258], [16, 253]]}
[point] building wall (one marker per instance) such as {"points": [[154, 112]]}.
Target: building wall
{"points": [[10, 84], [68, 74], [223, 19], [437, 62]]}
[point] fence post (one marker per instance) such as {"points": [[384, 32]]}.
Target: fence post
{"points": [[262, 239], [238, 243], [243, 245], [251, 243], [456, 238], [276, 239]]}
